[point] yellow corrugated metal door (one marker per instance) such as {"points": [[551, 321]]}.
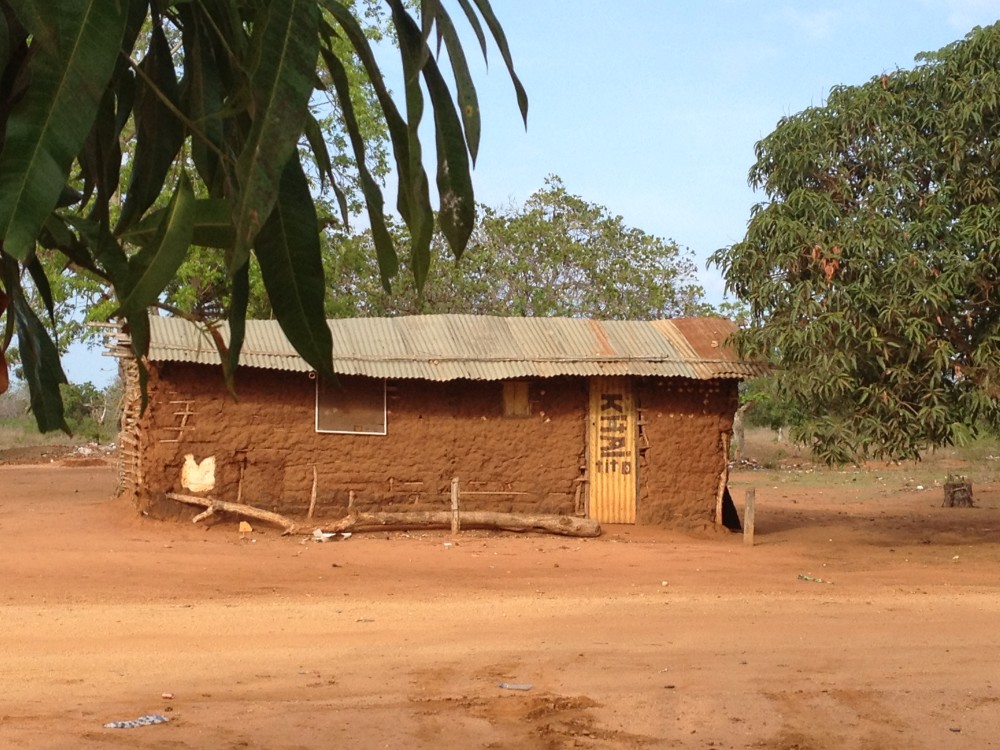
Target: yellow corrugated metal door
{"points": [[611, 438]]}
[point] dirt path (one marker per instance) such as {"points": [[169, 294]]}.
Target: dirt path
{"points": [[640, 639]]}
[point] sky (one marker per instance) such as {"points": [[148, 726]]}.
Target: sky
{"points": [[652, 107]]}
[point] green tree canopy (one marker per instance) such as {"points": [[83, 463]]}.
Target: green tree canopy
{"points": [[225, 86], [870, 268], [558, 254]]}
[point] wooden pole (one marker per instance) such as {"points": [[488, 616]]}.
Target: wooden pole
{"points": [[239, 486], [723, 479], [350, 501], [312, 497], [749, 512], [456, 523]]}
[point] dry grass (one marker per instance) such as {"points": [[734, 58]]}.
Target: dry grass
{"points": [[778, 460], [21, 432]]}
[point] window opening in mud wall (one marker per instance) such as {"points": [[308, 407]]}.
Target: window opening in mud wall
{"points": [[351, 404], [515, 399]]}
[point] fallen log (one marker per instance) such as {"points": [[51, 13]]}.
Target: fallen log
{"points": [[214, 506], [401, 521], [404, 521]]}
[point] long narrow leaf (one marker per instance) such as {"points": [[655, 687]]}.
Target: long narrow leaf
{"points": [[4, 373], [158, 134], [8, 331], [57, 235], [8, 326], [203, 86], [501, 41], [398, 131], [5, 44], [156, 264], [468, 101], [457, 214], [212, 225], [388, 261], [74, 48], [107, 253], [101, 159], [414, 192], [123, 79], [41, 282], [39, 356], [477, 27], [321, 154], [285, 47], [240, 298], [288, 250]]}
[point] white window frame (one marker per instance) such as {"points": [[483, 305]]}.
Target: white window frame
{"points": [[341, 379]]}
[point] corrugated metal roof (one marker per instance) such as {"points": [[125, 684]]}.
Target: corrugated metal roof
{"points": [[476, 347]]}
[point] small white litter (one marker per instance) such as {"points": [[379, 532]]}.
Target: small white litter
{"points": [[329, 536], [142, 721]]}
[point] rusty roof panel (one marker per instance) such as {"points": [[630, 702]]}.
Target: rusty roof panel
{"points": [[451, 347]]}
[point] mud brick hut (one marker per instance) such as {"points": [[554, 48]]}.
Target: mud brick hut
{"points": [[619, 421]]}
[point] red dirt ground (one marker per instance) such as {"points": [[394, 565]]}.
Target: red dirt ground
{"points": [[644, 638]]}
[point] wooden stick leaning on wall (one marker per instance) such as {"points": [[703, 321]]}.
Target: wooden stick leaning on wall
{"points": [[312, 497]]}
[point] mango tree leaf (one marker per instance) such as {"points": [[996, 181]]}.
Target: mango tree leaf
{"points": [[100, 159], [289, 253], [5, 339], [156, 264], [8, 326], [321, 154], [468, 101], [398, 131], [285, 47], [501, 41], [5, 44], [324, 164], [212, 225], [39, 356], [75, 44], [4, 373], [414, 192], [388, 262], [457, 213], [58, 235], [96, 242], [41, 281], [239, 299], [158, 134], [477, 27], [204, 83]]}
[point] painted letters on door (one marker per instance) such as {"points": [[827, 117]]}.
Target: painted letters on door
{"points": [[611, 448]]}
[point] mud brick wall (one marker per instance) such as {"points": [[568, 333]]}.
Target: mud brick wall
{"points": [[435, 431], [684, 421]]}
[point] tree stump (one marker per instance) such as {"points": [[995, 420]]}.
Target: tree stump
{"points": [[957, 493]]}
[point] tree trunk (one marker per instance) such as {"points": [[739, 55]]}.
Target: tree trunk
{"points": [[957, 493]]}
